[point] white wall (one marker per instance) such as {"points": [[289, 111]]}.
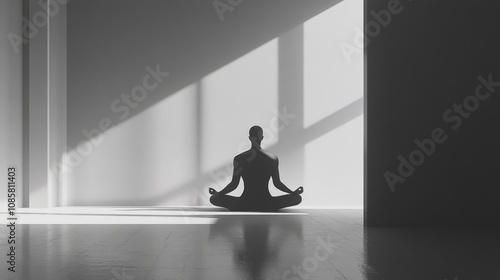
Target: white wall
{"points": [[10, 97], [332, 81], [181, 138]]}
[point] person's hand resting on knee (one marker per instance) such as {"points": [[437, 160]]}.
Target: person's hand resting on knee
{"points": [[299, 190], [213, 192]]}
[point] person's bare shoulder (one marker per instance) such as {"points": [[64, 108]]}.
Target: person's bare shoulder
{"points": [[270, 155], [243, 156]]}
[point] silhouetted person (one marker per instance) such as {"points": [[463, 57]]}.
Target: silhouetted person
{"points": [[256, 166]]}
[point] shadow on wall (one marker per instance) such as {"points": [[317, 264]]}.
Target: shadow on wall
{"points": [[110, 45]]}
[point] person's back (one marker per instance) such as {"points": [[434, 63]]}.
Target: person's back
{"points": [[257, 167]]}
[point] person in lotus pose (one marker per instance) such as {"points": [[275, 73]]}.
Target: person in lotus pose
{"points": [[256, 166]]}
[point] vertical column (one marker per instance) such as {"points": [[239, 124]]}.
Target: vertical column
{"points": [[25, 107], [198, 188], [290, 101], [47, 102], [57, 38], [38, 109]]}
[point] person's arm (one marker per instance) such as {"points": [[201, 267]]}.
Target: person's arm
{"points": [[277, 181], [236, 179]]}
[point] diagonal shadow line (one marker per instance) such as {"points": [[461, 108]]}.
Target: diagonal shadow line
{"points": [[329, 123], [334, 120]]}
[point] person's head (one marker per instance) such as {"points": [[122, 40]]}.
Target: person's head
{"points": [[256, 134]]}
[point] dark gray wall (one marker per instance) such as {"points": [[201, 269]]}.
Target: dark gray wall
{"points": [[396, 253], [424, 61]]}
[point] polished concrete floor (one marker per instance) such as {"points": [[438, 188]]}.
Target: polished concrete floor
{"points": [[209, 244]]}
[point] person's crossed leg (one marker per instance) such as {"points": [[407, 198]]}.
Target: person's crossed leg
{"points": [[269, 204]]}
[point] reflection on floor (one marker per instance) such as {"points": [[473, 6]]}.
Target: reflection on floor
{"points": [[296, 244]]}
